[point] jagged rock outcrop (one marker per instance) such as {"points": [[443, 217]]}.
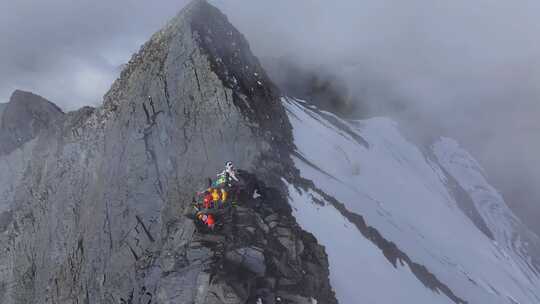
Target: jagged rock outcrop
{"points": [[95, 210], [260, 252], [23, 118], [317, 84]]}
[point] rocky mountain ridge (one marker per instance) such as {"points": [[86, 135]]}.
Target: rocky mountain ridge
{"points": [[94, 202]]}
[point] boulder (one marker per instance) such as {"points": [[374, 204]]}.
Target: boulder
{"points": [[250, 258]]}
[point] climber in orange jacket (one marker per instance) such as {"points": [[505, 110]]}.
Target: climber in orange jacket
{"points": [[207, 219]]}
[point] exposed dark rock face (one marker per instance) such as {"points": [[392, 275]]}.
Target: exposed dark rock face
{"points": [[23, 118], [262, 253], [94, 202], [466, 204], [316, 84], [239, 70]]}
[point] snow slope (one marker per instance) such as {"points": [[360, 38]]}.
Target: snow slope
{"points": [[359, 273], [509, 232], [375, 172]]}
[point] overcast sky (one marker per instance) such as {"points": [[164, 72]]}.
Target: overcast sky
{"points": [[471, 67], [70, 51]]}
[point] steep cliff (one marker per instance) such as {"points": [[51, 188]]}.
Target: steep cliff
{"points": [[95, 209]]}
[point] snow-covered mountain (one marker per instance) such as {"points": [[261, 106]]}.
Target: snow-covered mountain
{"points": [[369, 183], [96, 204]]}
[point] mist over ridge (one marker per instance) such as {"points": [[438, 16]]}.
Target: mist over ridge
{"points": [[465, 69]]}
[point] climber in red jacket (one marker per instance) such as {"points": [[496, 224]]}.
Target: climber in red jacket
{"points": [[208, 200], [207, 219]]}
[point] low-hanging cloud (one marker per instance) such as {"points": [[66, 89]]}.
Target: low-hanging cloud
{"points": [[71, 51], [467, 69]]}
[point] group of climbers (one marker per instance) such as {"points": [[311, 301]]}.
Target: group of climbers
{"points": [[219, 194]]}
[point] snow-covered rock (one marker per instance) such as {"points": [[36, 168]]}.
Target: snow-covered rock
{"points": [[367, 169]]}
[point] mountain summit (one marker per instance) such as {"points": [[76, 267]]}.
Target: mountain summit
{"points": [[200, 47], [96, 209], [103, 205]]}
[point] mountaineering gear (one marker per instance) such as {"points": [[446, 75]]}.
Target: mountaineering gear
{"points": [[210, 221], [225, 181], [229, 168], [229, 183], [229, 165], [224, 195], [256, 194], [216, 195], [222, 192], [208, 201], [224, 184], [221, 180], [207, 219], [219, 197], [212, 198]]}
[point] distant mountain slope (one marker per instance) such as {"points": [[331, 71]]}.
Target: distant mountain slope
{"points": [[508, 231], [23, 118], [388, 188]]}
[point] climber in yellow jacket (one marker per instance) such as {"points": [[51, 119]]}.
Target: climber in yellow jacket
{"points": [[217, 197]]}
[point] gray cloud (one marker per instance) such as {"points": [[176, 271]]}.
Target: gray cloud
{"points": [[70, 51], [468, 69]]}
